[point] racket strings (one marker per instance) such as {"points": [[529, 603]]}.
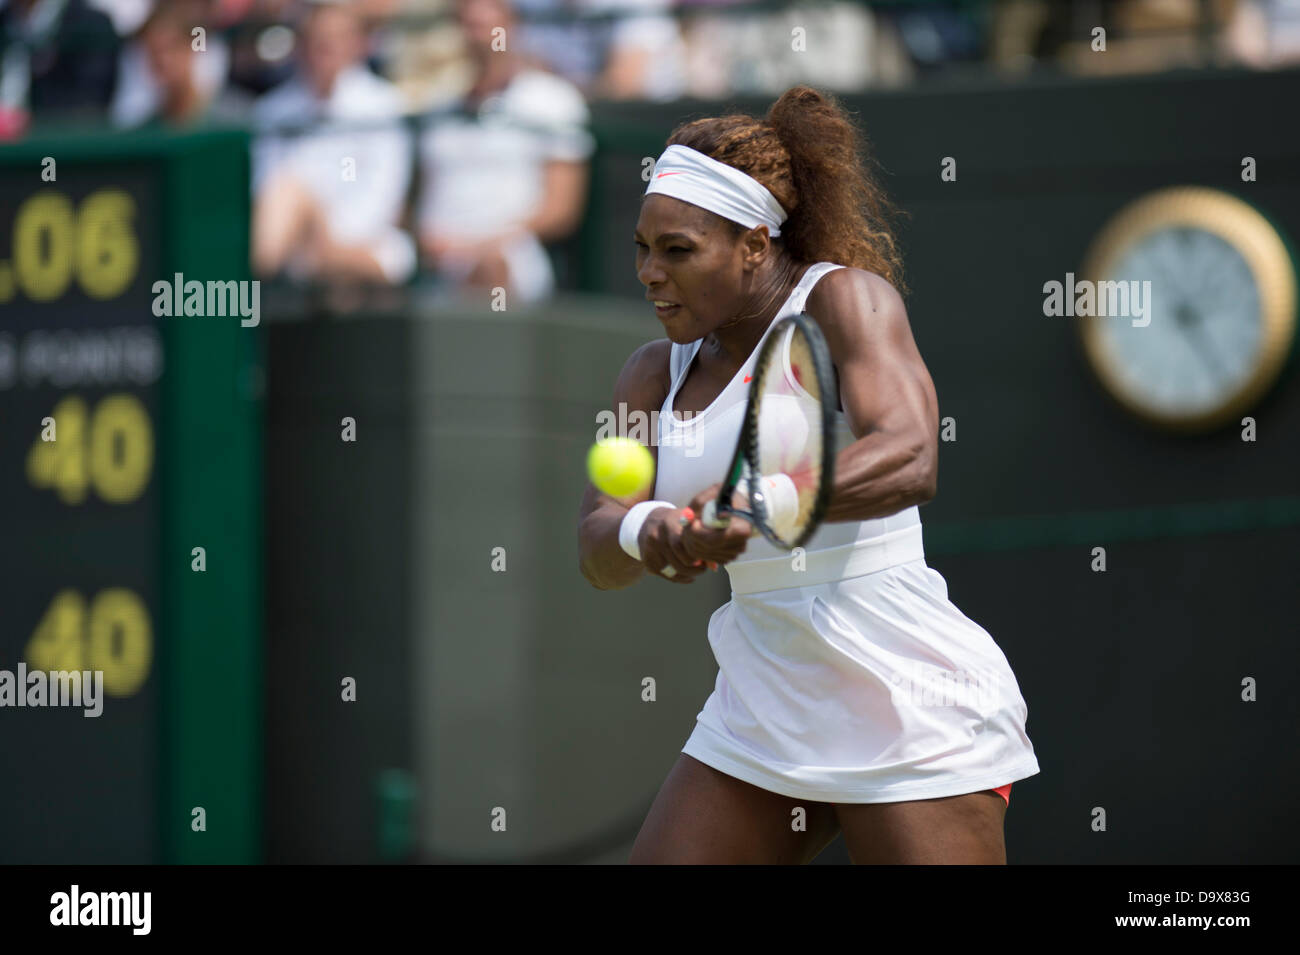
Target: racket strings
{"points": [[790, 438]]}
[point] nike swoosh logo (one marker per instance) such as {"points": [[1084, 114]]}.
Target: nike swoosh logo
{"points": [[748, 379], [662, 174]]}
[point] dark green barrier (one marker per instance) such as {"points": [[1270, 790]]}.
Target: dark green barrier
{"points": [[435, 560]]}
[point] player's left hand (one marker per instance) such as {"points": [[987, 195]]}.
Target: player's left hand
{"points": [[714, 545]]}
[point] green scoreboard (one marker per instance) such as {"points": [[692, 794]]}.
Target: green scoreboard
{"points": [[131, 493]]}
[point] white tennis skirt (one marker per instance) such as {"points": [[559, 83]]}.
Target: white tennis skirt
{"points": [[871, 689]]}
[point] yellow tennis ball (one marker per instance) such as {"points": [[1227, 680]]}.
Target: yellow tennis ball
{"points": [[620, 466]]}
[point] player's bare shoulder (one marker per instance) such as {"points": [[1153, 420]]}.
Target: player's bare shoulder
{"points": [[853, 295], [644, 381]]}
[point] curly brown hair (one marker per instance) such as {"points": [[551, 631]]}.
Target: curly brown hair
{"points": [[813, 159]]}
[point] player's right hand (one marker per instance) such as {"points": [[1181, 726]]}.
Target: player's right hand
{"points": [[661, 546], [716, 545]]}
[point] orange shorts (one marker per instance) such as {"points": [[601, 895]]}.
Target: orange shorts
{"points": [[1004, 792]]}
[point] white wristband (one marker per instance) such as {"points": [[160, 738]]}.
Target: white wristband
{"points": [[781, 500], [630, 530]]}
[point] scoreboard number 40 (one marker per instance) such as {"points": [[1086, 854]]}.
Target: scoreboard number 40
{"points": [[113, 636], [110, 449]]}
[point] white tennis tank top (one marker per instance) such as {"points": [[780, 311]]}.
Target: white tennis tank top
{"points": [[696, 453]]}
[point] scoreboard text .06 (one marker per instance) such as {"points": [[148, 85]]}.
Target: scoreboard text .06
{"points": [[54, 244]]}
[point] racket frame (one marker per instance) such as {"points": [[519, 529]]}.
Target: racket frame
{"points": [[717, 513]]}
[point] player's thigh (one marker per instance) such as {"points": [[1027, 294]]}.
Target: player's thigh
{"points": [[959, 830], [703, 816]]}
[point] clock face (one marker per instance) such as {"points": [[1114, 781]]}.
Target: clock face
{"points": [[1205, 326], [1210, 291]]}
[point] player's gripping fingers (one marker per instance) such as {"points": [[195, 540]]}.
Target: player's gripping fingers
{"points": [[717, 545], [661, 546], [680, 542], [738, 533], [707, 544], [701, 500], [681, 569], [671, 570], [701, 541]]}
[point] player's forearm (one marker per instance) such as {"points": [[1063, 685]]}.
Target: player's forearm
{"points": [[881, 474], [600, 557]]}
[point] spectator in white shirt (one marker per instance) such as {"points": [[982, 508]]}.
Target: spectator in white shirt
{"points": [[505, 169], [328, 201]]}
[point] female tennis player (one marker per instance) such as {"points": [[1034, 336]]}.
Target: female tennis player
{"points": [[851, 695]]}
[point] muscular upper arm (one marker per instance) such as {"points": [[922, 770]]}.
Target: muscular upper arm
{"points": [[641, 387], [884, 384]]}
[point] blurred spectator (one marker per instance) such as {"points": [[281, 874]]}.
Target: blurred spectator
{"points": [[638, 54], [1015, 34], [56, 55], [847, 48], [938, 36], [1144, 36], [126, 15], [424, 53], [328, 198], [166, 80], [1141, 36], [1265, 34], [504, 172], [261, 45]]}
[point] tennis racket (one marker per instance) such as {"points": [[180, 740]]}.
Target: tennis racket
{"points": [[788, 428]]}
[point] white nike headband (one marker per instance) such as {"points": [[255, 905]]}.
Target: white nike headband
{"points": [[693, 177]]}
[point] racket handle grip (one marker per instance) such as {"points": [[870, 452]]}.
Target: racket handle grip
{"points": [[709, 516]]}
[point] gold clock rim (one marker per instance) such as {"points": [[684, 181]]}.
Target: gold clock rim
{"points": [[1248, 231]]}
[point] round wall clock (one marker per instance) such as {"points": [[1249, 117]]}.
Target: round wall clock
{"points": [[1207, 318]]}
